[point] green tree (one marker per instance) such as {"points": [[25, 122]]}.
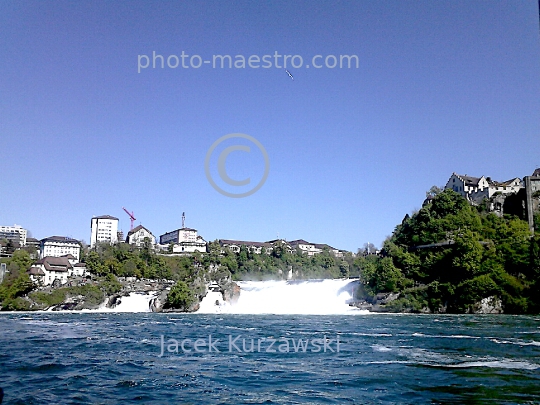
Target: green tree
{"points": [[22, 259], [388, 277], [467, 253], [344, 268], [433, 192], [180, 296]]}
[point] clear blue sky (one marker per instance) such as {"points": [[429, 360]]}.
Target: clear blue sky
{"points": [[442, 86]]}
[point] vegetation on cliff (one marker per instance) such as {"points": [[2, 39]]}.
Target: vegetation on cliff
{"points": [[180, 297], [450, 255]]}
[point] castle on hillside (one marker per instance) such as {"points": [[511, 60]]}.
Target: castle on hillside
{"points": [[515, 196]]}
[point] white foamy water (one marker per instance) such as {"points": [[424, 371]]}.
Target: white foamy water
{"points": [[212, 303], [135, 302], [311, 297]]}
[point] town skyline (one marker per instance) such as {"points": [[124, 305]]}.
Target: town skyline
{"points": [[474, 189]]}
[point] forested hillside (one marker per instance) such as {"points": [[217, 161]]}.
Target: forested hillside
{"points": [[450, 255]]}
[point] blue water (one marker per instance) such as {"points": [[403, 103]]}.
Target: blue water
{"points": [[112, 358]]}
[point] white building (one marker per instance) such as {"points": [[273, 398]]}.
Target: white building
{"points": [[138, 235], [312, 249], [104, 229], [79, 270], [479, 188], [11, 232], [37, 275], [57, 246], [48, 269], [184, 240], [308, 248]]}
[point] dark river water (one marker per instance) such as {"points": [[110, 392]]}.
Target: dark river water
{"points": [[147, 358]]}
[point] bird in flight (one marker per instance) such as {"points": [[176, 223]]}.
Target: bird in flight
{"points": [[289, 73]]}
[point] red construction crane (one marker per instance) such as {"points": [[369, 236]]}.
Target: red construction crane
{"points": [[130, 217]]}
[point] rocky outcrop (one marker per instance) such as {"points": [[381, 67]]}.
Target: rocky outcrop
{"points": [[157, 303], [214, 276], [116, 299], [377, 303], [231, 292], [489, 305]]}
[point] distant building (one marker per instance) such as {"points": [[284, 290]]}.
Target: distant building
{"points": [[283, 242], [312, 249], [37, 275], [308, 248], [33, 243], [138, 235], [79, 269], [476, 189], [48, 269], [513, 197], [235, 245], [104, 229], [15, 233], [57, 246], [33, 247], [184, 240]]}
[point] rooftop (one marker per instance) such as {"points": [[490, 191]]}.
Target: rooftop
{"points": [[52, 263], [36, 271], [469, 180], [105, 217], [181, 229], [137, 229], [243, 243], [64, 239]]}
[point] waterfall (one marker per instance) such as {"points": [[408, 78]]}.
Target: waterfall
{"points": [[134, 302], [309, 297]]}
